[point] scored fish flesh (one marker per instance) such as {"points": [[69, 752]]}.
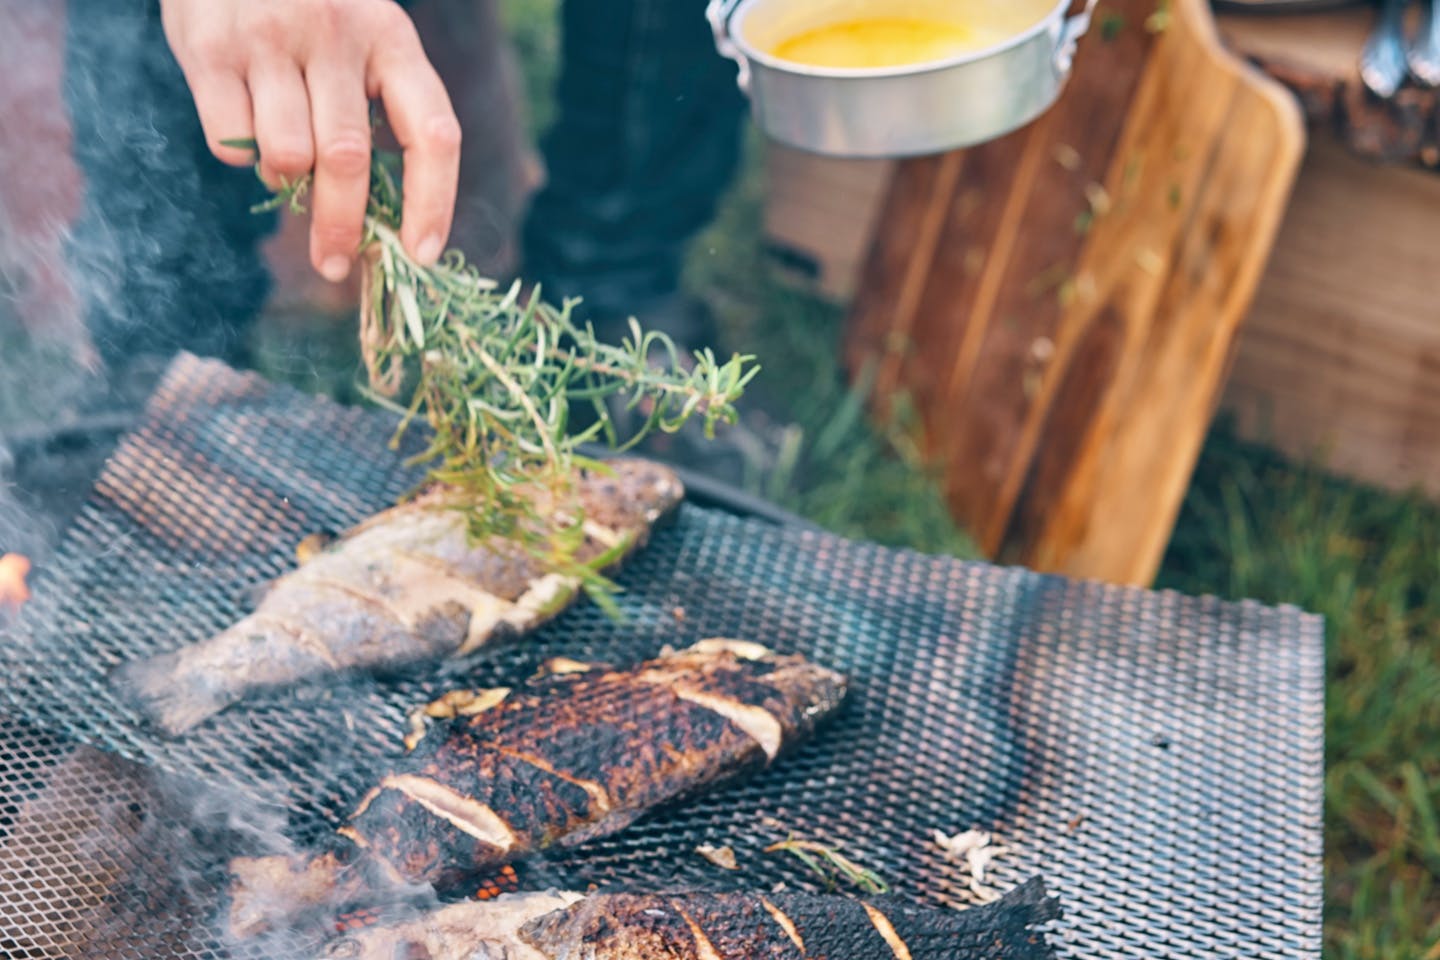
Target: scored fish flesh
{"points": [[576, 753], [710, 926], [405, 587]]}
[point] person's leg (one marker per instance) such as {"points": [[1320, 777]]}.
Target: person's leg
{"points": [[165, 252], [466, 42], [646, 139]]}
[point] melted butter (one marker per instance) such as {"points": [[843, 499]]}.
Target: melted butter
{"points": [[883, 42]]}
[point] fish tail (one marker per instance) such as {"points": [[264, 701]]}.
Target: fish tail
{"points": [[172, 699], [1006, 929]]}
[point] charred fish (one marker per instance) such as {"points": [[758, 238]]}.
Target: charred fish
{"points": [[576, 753], [405, 587], [708, 926]]}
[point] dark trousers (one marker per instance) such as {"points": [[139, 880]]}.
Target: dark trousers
{"points": [[646, 139], [165, 253]]}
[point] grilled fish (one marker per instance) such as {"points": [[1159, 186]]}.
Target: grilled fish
{"points": [[405, 587], [705, 926], [576, 753]]}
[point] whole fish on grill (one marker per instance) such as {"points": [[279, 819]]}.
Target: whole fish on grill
{"points": [[405, 587], [576, 753], [710, 926]]}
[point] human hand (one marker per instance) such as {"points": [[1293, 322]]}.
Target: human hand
{"points": [[298, 76]]}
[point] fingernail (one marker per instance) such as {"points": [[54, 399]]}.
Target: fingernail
{"points": [[429, 250], [335, 269]]}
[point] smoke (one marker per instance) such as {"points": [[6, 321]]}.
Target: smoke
{"points": [[165, 248], [40, 327], [102, 857], [121, 234], [121, 239]]}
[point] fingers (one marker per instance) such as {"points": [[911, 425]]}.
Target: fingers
{"points": [[419, 111], [223, 102], [342, 163], [297, 78], [282, 121]]}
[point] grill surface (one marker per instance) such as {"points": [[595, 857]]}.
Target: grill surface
{"points": [[1158, 758]]}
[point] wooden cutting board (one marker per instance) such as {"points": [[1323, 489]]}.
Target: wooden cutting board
{"points": [[1060, 306]]}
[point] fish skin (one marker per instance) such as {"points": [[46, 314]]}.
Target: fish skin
{"points": [[403, 588], [579, 755], [711, 926], [565, 758]]}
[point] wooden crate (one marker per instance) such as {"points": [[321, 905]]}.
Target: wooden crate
{"points": [[820, 215], [1340, 358]]}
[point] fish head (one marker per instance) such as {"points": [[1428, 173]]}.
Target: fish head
{"points": [[811, 693], [630, 494], [807, 692]]}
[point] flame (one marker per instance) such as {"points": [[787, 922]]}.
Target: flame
{"points": [[14, 568]]}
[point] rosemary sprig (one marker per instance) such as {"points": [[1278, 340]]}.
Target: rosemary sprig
{"points": [[817, 856], [496, 374]]}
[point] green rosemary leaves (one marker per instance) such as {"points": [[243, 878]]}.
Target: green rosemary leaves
{"points": [[498, 374]]}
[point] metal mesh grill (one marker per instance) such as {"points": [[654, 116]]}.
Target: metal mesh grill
{"points": [[88, 851], [1159, 758]]}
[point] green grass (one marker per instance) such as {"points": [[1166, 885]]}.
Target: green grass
{"points": [[1252, 526]]}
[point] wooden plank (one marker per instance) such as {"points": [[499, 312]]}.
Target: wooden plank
{"points": [[1135, 467], [1324, 42], [990, 285], [1127, 262], [1337, 357], [820, 210], [1034, 289], [1341, 355], [1077, 306]]}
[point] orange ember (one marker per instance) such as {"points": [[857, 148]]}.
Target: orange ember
{"points": [[357, 920], [504, 882], [14, 568]]}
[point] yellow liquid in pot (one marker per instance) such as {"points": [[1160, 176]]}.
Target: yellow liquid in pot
{"points": [[882, 42]]}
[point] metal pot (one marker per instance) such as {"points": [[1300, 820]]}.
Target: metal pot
{"points": [[924, 108]]}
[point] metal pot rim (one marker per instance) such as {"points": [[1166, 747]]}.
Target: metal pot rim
{"points": [[745, 7]]}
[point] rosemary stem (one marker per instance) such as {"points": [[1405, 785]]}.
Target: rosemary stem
{"points": [[494, 378]]}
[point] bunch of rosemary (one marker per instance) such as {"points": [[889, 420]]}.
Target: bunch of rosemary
{"points": [[496, 373]]}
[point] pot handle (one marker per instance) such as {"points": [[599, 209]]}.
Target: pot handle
{"points": [[718, 13], [1070, 33]]}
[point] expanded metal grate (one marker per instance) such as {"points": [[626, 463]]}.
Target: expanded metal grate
{"points": [[95, 857], [1158, 758]]}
